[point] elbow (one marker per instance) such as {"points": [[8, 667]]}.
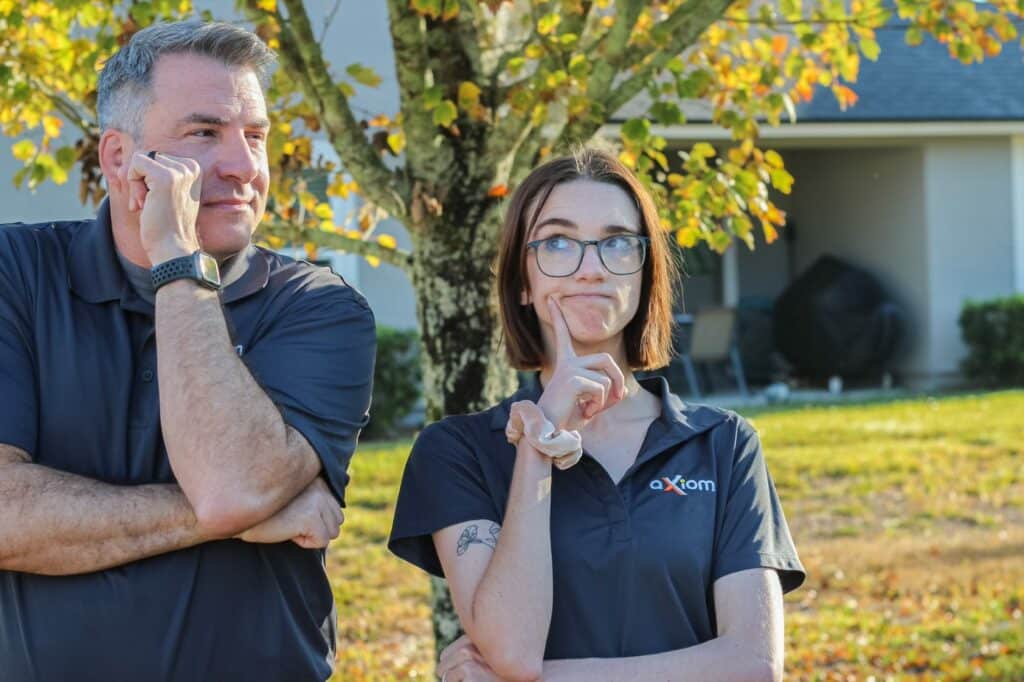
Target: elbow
{"points": [[227, 515], [767, 670], [512, 668]]}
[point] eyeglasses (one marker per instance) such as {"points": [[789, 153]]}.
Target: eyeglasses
{"points": [[560, 256]]}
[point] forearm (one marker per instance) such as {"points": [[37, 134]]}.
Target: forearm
{"points": [[731, 659], [512, 606], [56, 523], [229, 447]]}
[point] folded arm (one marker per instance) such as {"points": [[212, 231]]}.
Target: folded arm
{"points": [[231, 451], [749, 646], [502, 590], [56, 523]]}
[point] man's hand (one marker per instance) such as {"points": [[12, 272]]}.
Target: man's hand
{"points": [[166, 189], [311, 520], [461, 662]]}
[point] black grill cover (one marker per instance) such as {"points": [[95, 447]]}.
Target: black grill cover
{"points": [[835, 318]]}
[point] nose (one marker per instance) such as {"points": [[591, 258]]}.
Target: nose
{"points": [[590, 267], [236, 159]]}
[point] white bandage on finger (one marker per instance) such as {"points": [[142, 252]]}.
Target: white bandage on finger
{"points": [[565, 448]]}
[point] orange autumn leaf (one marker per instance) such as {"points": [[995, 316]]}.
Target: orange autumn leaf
{"points": [[498, 191]]}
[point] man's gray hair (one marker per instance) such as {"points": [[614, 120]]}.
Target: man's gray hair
{"points": [[124, 85]]}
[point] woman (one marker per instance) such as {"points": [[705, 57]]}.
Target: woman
{"points": [[663, 553]]}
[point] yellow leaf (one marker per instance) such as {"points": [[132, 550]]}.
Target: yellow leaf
{"points": [[24, 150], [267, 5], [288, 148], [548, 23], [373, 261], [687, 237], [469, 95], [353, 234], [323, 211], [51, 126], [310, 250], [397, 142], [773, 159], [328, 226], [275, 241], [387, 241]]}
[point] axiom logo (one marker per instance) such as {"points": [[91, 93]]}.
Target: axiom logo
{"points": [[679, 485]]}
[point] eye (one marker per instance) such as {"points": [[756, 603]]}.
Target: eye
{"points": [[203, 132], [257, 135], [557, 243], [619, 243]]}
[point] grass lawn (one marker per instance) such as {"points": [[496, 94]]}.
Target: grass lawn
{"points": [[909, 517]]}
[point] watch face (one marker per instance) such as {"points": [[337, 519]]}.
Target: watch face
{"points": [[208, 269]]}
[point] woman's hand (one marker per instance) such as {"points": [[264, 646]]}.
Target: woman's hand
{"points": [[581, 386]]}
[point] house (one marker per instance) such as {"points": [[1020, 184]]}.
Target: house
{"points": [[921, 183]]}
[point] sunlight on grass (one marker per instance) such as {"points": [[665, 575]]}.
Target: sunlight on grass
{"points": [[908, 515]]}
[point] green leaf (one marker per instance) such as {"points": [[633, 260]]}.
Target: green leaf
{"points": [[432, 97], [66, 157], [915, 36], [870, 48], [636, 130], [445, 113], [364, 74], [23, 150], [548, 23], [782, 180], [667, 113]]}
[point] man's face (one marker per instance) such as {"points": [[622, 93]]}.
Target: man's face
{"points": [[215, 114]]}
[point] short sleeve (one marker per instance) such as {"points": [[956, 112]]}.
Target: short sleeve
{"points": [[18, 397], [443, 484], [752, 532], [316, 365]]}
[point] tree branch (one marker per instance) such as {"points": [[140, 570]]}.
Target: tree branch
{"points": [[340, 242], [302, 57], [685, 25]]}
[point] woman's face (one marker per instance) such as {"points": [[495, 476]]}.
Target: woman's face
{"points": [[596, 303]]}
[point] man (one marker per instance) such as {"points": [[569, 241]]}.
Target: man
{"points": [[174, 534]]}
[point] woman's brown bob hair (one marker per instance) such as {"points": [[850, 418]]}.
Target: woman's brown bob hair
{"points": [[648, 336]]}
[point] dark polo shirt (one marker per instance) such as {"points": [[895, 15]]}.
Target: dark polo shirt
{"points": [[634, 563], [78, 392]]}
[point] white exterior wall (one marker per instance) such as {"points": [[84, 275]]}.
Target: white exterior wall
{"points": [[866, 206], [969, 213]]}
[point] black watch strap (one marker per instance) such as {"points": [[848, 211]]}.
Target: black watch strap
{"points": [[187, 267]]}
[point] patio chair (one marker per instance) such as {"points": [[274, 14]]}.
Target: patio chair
{"points": [[713, 339]]}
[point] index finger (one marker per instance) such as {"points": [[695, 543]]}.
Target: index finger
{"points": [[563, 338]]}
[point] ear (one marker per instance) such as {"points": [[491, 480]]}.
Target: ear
{"points": [[115, 152]]}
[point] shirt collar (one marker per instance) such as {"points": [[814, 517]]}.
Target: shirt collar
{"points": [[680, 422], [95, 273]]}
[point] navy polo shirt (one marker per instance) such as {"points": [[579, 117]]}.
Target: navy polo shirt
{"points": [[633, 564], [78, 393]]}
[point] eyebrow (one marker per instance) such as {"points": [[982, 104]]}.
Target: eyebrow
{"points": [[206, 119], [563, 222]]}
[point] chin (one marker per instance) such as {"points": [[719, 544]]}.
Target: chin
{"points": [[222, 240]]}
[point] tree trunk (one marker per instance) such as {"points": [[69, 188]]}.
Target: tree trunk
{"points": [[464, 368]]}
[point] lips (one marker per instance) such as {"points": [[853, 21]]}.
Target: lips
{"points": [[227, 202], [586, 297]]}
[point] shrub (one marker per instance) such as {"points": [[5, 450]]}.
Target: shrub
{"points": [[994, 333], [396, 380]]}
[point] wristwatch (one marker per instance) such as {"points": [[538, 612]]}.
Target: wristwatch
{"points": [[200, 266]]}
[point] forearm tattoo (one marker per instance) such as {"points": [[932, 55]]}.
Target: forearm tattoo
{"points": [[471, 536]]}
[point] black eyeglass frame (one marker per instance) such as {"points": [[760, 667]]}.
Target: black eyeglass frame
{"points": [[584, 243]]}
